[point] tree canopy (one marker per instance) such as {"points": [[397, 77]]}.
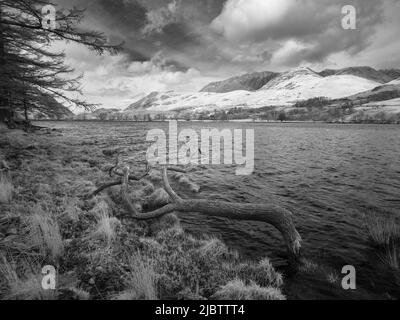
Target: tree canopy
{"points": [[31, 73]]}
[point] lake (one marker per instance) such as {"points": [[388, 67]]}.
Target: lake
{"points": [[328, 175]]}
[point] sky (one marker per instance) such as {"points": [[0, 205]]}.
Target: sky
{"points": [[182, 45]]}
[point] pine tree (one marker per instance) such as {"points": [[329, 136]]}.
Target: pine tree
{"points": [[31, 74]]}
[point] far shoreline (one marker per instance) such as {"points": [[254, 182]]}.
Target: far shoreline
{"points": [[221, 121]]}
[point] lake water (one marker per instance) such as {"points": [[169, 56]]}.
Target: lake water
{"points": [[329, 176]]}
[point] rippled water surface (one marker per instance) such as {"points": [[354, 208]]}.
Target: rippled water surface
{"points": [[329, 176]]}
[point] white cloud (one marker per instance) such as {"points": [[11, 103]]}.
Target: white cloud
{"points": [[289, 50], [241, 19], [115, 81]]}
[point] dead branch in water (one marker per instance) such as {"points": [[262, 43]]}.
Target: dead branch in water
{"points": [[276, 216]]}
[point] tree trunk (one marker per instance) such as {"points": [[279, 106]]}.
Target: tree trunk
{"points": [[276, 216], [5, 110]]}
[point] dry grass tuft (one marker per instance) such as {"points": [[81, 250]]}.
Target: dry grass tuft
{"points": [[141, 280], [106, 228], [100, 209], [80, 294], [384, 231], [261, 273], [44, 233], [333, 278], [237, 290], [269, 273], [214, 247], [28, 287], [6, 189], [308, 266], [391, 256]]}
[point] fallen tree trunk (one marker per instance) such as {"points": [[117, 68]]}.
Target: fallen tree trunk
{"points": [[276, 216]]}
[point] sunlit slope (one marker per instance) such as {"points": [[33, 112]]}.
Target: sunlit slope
{"points": [[285, 89]]}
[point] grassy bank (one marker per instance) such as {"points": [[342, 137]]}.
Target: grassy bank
{"points": [[100, 252]]}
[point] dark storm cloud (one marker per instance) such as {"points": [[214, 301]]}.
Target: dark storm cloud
{"points": [[193, 33], [150, 26]]}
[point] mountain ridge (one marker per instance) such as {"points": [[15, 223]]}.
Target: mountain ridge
{"points": [[284, 90], [249, 81], [366, 72], [256, 80]]}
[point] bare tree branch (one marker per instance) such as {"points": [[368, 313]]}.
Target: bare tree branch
{"points": [[276, 216]]}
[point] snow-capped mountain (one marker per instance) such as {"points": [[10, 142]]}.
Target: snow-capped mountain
{"points": [[304, 83], [284, 90]]}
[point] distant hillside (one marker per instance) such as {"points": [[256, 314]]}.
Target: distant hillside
{"points": [[392, 73], [100, 114], [249, 82], [381, 93], [283, 90], [362, 72], [145, 102], [395, 82], [49, 109], [257, 80]]}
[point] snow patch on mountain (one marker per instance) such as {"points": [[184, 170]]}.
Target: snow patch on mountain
{"points": [[395, 82], [284, 90], [303, 84]]}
